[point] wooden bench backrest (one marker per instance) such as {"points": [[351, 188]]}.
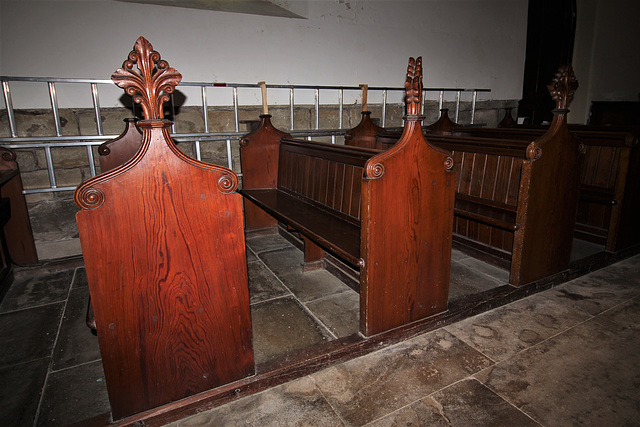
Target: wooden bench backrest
{"points": [[603, 148], [324, 174], [488, 176]]}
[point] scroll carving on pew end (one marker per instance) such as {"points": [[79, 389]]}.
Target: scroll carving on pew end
{"points": [[163, 242]]}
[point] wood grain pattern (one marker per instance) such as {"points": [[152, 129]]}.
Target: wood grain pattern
{"points": [[406, 234], [163, 243], [517, 195], [264, 152], [165, 260], [609, 171]]}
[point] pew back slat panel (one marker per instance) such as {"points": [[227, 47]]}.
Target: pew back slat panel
{"points": [[608, 170]]}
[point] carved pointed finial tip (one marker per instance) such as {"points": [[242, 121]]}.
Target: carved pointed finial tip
{"points": [[413, 86], [152, 83], [563, 87]]}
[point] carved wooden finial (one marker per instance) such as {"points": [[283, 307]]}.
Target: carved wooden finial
{"points": [[563, 87], [413, 86], [152, 84]]}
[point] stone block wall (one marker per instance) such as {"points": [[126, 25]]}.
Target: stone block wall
{"points": [[53, 213]]}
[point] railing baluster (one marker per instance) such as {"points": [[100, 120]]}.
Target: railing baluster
{"points": [[6, 92], [205, 109], [96, 108], [54, 107]]}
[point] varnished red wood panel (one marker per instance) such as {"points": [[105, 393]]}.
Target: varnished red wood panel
{"points": [[552, 206], [364, 134], [163, 242], [117, 151], [407, 219], [259, 153], [606, 155]]}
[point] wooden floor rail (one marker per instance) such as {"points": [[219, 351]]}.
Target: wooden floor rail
{"points": [[388, 213]]}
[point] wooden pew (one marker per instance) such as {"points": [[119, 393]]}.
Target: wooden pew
{"points": [[17, 245], [388, 213], [609, 189], [163, 243], [516, 199], [18, 231]]}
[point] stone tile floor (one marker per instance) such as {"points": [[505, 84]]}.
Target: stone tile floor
{"points": [[566, 356]]}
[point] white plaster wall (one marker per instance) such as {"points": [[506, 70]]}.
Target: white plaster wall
{"points": [[464, 43]]}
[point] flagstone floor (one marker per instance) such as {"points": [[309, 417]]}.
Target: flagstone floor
{"points": [[565, 356]]}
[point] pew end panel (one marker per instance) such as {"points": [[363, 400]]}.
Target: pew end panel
{"points": [[364, 134], [407, 218], [406, 237], [609, 199], [18, 232], [119, 150], [549, 192], [259, 158], [163, 242]]}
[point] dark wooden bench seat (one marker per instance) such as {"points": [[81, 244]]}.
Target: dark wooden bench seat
{"points": [[330, 231], [387, 213], [318, 194]]}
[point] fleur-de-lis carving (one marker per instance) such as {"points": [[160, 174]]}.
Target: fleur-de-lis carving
{"points": [[563, 87], [153, 84], [413, 86]]}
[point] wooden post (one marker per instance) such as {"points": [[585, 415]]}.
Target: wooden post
{"points": [[365, 89], [265, 106]]}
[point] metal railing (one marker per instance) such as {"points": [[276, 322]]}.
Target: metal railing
{"points": [[58, 140]]}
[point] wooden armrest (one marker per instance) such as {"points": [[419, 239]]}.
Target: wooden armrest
{"points": [[489, 213], [327, 230], [599, 195]]}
